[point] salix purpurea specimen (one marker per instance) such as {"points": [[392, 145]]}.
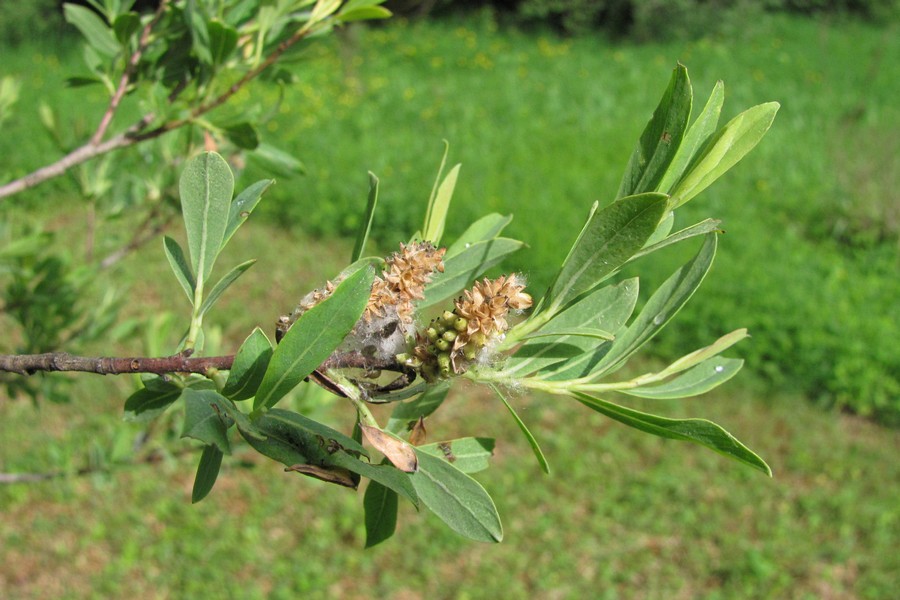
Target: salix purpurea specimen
{"points": [[402, 329]]}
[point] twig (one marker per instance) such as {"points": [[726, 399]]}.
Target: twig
{"points": [[28, 364]]}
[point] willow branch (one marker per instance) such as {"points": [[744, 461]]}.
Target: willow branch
{"points": [[29, 364], [138, 132]]}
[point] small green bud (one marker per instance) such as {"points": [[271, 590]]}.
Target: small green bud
{"points": [[442, 344], [449, 335], [470, 351], [448, 317], [431, 333], [460, 324]]}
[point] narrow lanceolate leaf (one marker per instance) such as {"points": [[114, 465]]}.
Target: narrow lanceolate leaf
{"points": [[326, 437], [180, 266], [223, 285], [457, 499], [729, 145], [699, 431], [205, 419], [697, 135], [701, 228], [610, 237], [693, 382], [434, 228], [660, 308], [243, 206], [407, 413], [599, 334], [207, 473], [538, 453], [380, 504], [486, 228], [461, 269], [249, 366], [607, 309], [469, 454], [206, 187], [697, 356], [314, 336], [366, 226], [661, 138]]}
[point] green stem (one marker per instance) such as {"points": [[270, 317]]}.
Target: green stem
{"points": [[196, 317]]}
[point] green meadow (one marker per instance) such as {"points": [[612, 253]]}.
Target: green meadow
{"points": [[543, 127]]}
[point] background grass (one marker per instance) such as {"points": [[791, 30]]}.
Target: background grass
{"points": [[543, 127]]}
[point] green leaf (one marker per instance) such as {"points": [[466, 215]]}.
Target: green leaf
{"points": [[314, 336], [207, 473], [409, 412], [126, 25], [660, 139], [364, 14], [693, 382], [607, 309], [484, 229], [243, 135], [93, 28], [457, 499], [146, 403], [701, 228], [222, 42], [538, 453], [610, 237], [699, 431], [206, 188], [437, 214], [697, 356], [277, 162], [249, 366], [366, 226], [323, 9], [660, 308], [729, 145], [469, 454], [599, 334], [697, 135], [180, 267], [324, 434], [223, 284], [204, 419], [463, 268], [243, 206], [380, 504]]}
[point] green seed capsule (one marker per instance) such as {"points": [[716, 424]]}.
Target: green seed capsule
{"points": [[444, 364], [460, 324], [448, 317], [470, 351], [477, 338], [449, 335], [442, 344], [431, 333]]}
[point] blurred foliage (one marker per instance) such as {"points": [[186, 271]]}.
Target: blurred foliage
{"points": [[29, 21]]}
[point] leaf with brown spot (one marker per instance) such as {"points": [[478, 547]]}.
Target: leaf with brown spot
{"points": [[397, 451]]}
